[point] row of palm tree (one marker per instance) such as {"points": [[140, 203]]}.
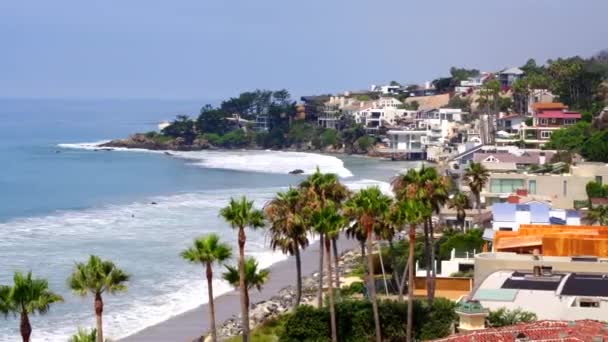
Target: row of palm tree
{"points": [[28, 295], [320, 205]]}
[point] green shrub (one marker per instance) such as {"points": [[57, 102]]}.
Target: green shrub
{"points": [[306, 324], [365, 142], [354, 288], [236, 138], [213, 138], [504, 317], [355, 322], [329, 137]]}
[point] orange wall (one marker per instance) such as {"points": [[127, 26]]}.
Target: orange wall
{"points": [[445, 284], [558, 240]]}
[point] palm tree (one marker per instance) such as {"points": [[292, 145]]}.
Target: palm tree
{"points": [[412, 212], [356, 231], [26, 296], [287, 229], [598, 214], [97, 277], [460, 202], [427, 186], [254, 277], [476, 176], [208, 250], [84, 335], [240, 214], [328, 221], [319, 188], [369, 207]]}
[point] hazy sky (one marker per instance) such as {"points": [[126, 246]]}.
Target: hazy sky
{"points": [[206, 49]]}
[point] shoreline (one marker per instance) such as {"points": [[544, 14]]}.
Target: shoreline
{"points": [[191, 325]]}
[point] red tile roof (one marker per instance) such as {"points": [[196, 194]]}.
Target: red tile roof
{"points": [[558, 114], [583, 330]]}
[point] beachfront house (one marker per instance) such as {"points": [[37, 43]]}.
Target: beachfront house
{"points": [[509, 216], [407, 144]]}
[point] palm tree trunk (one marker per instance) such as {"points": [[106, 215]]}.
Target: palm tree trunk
{"points": [[362, 252], [478, 200], [298, 275], [427, 259], [242, 287], [334, 245], [98, 313], [24, 326], [433, 266], [330, 290], [372, 283], [211, 304], [402, 284], [410, 284], [320, 289]]}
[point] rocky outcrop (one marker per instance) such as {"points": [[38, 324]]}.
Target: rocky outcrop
{"points": [[147, 142]]}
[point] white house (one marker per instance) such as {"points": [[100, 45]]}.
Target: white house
{"points": [[407, 140]]}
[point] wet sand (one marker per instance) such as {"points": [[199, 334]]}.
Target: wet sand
{"points": [[192, 324]]}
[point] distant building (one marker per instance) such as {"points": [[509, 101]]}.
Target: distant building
{"points": [[507, 160], [508, 76], [510, 123], [406, 144]]}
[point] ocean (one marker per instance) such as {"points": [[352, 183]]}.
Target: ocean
{"points": [[62, 200]]}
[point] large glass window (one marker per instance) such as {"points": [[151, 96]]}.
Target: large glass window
{"points": [[506, 185]]}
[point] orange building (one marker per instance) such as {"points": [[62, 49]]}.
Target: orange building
{"points": [[554, 240]]}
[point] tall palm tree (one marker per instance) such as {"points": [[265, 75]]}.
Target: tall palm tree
{"points": [[319, 188], [208, 250], [287, 229], [356, 231], [412, 212], [476, 176], [427, 186], [254, 277], [26, 296], [97, 277], [328, 221], [598, 214], [369, 207], [240, 214], [460, 202]]}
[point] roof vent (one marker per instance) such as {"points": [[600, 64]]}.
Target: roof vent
{"points": [[521, 337]]}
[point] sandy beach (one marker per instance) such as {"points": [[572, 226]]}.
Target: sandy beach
{"points": [[191, 324]]}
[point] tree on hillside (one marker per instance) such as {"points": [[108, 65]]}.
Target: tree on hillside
{"points": [[460, 202], [181, 127], [476, 176], [461, 74], [212, 120], [598, 214]]}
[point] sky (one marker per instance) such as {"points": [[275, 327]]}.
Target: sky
{"points": [[212, 49]]}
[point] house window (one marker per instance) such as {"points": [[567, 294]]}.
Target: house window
{"points": [[565, 189], [598, 179], [553, 121], [532, 187], [588, 303], [568, 121], [505, 185], [544, 121], [545, 134], [505, 229]]}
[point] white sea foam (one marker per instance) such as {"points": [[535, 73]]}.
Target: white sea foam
{"points": [[246, 160], [367, 183], [144, 239]]}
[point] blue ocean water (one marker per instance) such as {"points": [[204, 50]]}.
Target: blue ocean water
{"points": [[60, 202]]}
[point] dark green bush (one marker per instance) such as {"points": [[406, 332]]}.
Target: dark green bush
{"points": [[356, 323]]}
